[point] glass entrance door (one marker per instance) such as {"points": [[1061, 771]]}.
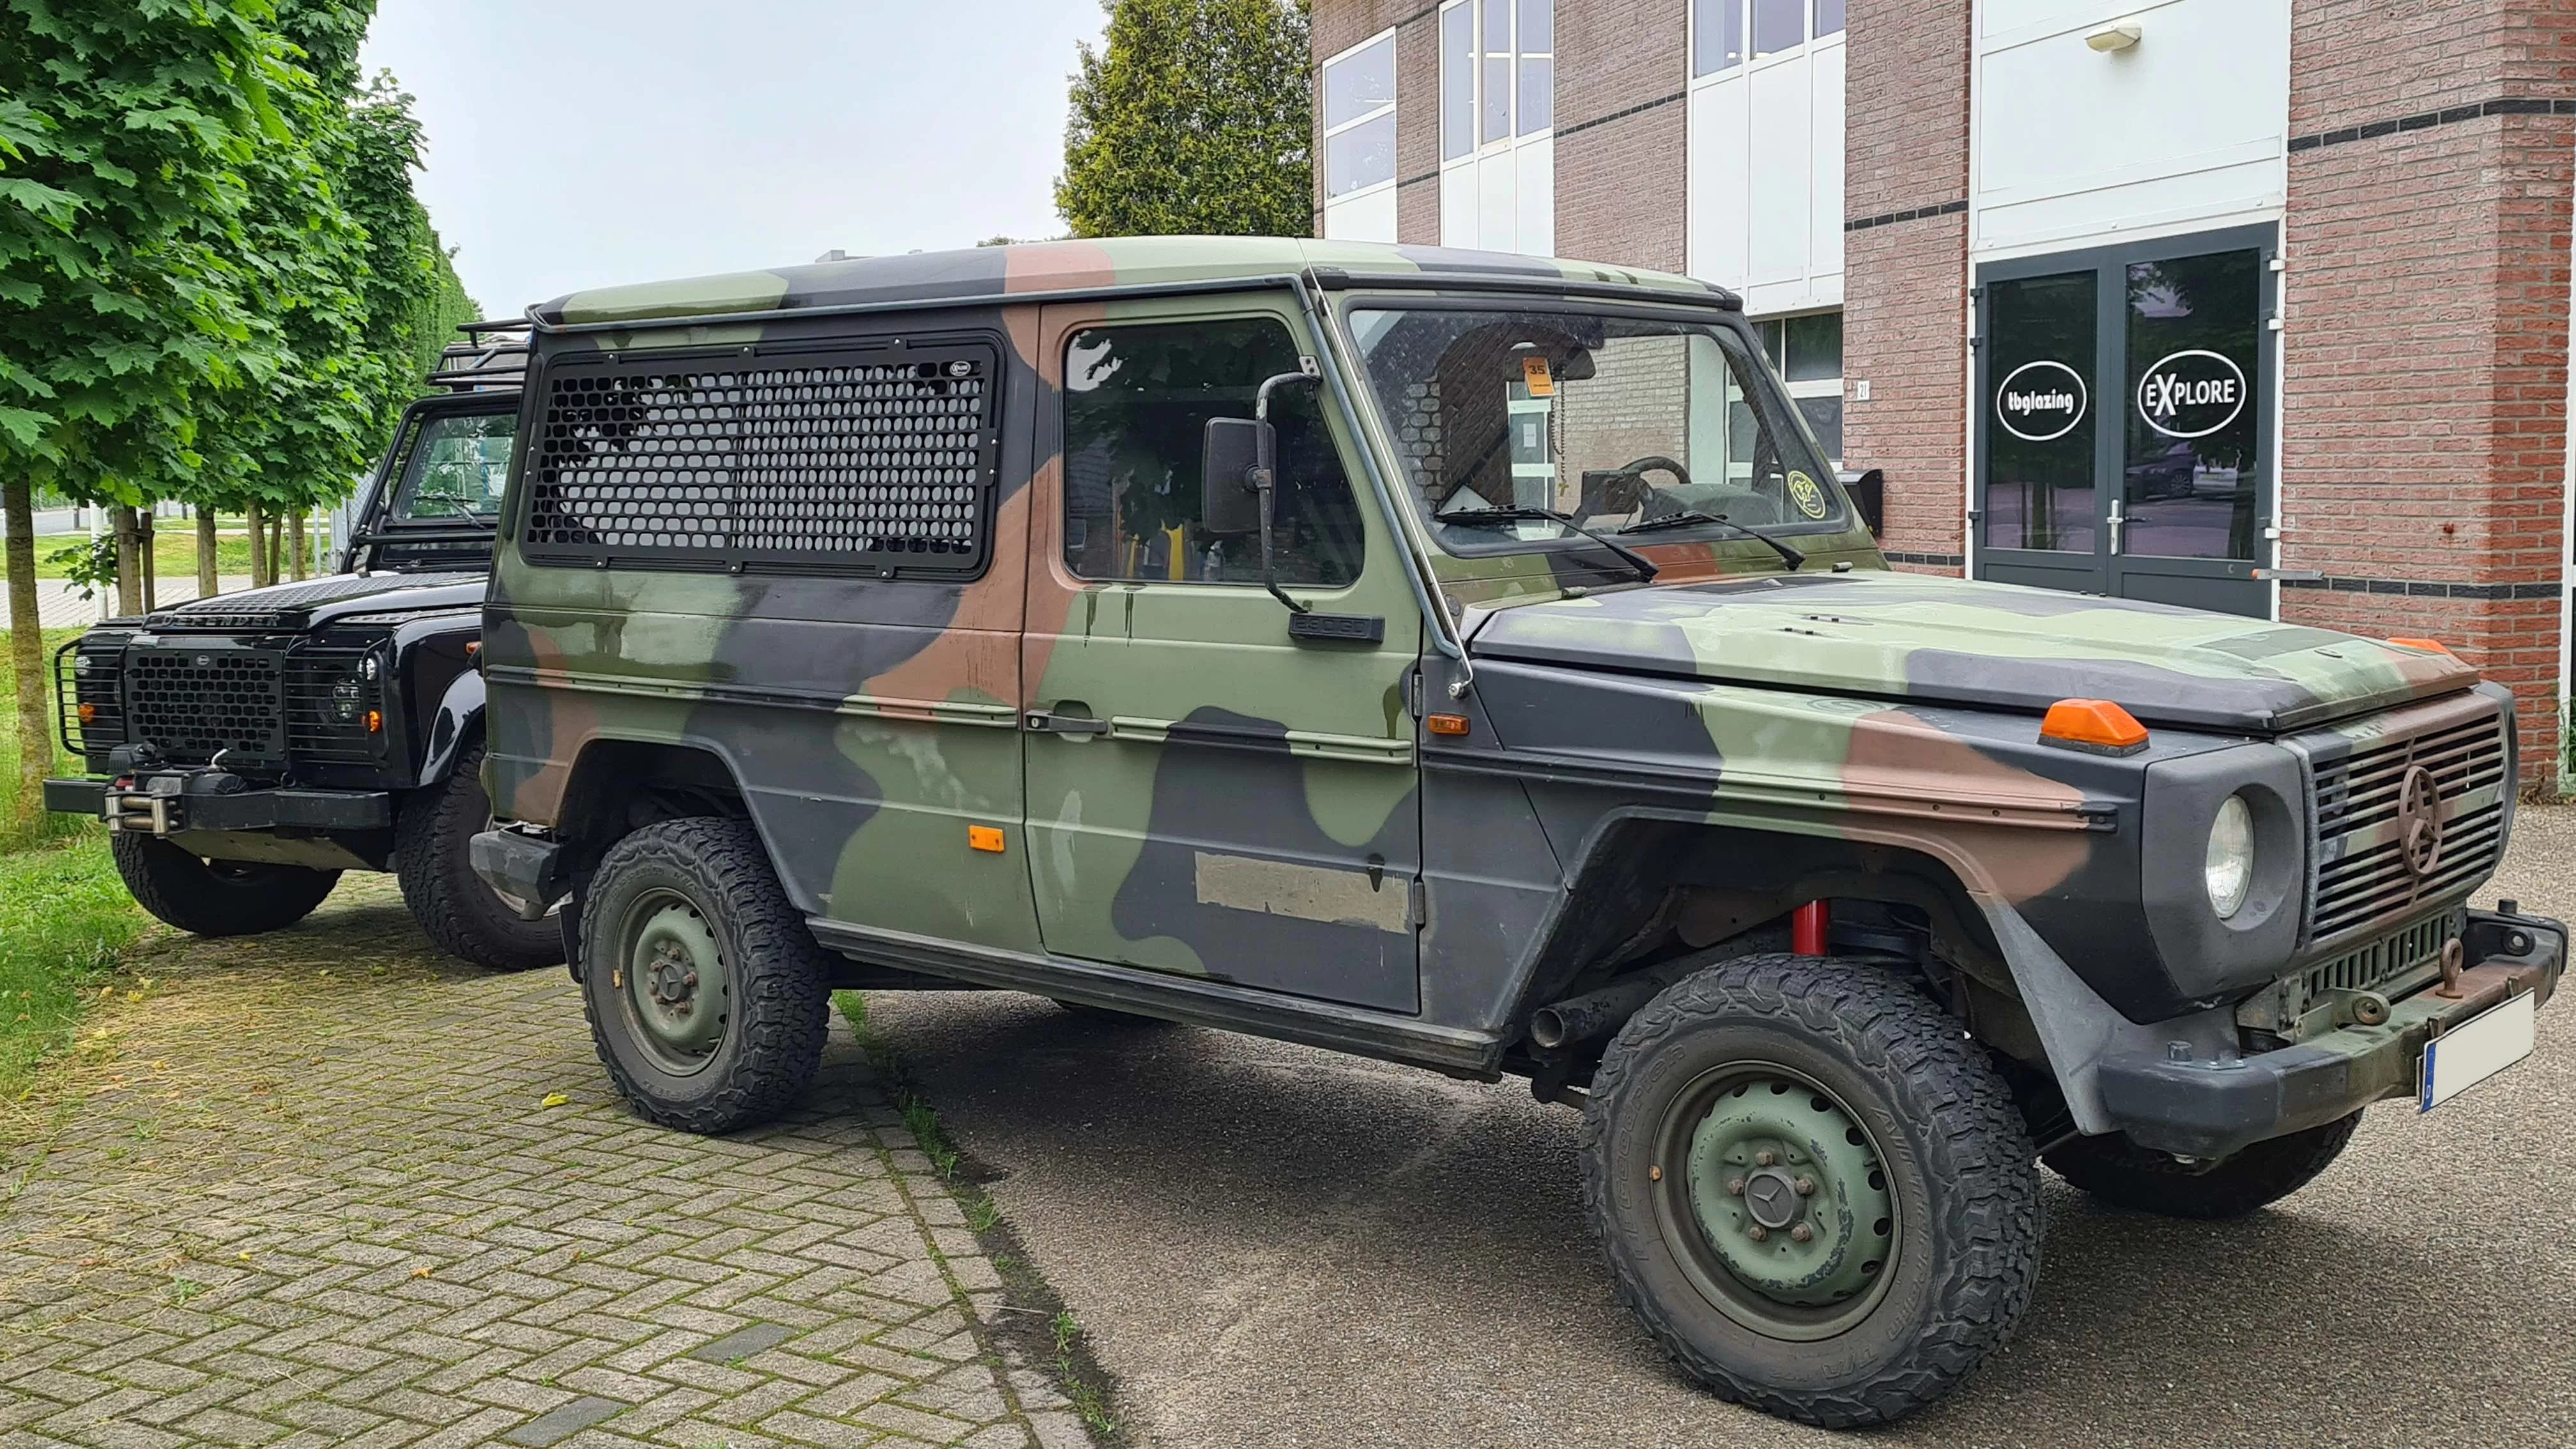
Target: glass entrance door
{"points": [[2125, 408]]}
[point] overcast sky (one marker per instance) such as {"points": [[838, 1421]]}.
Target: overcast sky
{"points": [[574, 143]]}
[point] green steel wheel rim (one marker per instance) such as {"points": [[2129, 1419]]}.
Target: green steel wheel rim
{"points": [[1775, 1198], [673, 983]]}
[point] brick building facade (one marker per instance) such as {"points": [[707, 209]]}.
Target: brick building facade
{"points": [[2349, 220]]}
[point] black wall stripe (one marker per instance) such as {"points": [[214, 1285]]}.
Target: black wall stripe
{"points": [[2501, 106]]}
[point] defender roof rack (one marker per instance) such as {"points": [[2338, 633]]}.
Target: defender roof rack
{"points": [[493, 358]]}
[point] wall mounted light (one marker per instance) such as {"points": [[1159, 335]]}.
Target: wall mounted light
{"points": [[2118, 35]]}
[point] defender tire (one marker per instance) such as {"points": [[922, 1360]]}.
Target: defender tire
{"points": [[704, 988], [456, 910], [1911, 1150], [2123, 1174], [216, 897]]}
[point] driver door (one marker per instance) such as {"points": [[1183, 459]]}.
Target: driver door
{"points": [[1207, 794]]}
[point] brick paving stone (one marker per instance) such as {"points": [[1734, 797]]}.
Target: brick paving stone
{"points": [[307, 1190]]}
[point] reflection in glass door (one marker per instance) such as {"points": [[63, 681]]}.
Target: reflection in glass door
{"points": [[2124, 411]]}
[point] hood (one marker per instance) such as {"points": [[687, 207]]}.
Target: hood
{"points": [[1997, 646], [318, 601]]}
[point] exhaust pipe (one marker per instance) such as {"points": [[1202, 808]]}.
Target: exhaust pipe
{"points": [[1595, 1014]]}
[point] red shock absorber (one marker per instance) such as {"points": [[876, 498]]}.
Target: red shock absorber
{"points": [[1809, 925]]}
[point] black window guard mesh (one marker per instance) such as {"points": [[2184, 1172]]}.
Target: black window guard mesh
{"points": [[879, 462]]}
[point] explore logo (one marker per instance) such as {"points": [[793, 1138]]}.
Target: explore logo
{"points": [[2040, 401], [2191, 394]]}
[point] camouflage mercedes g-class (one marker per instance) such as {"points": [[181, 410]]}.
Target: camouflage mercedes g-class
{"points": [[246, 749], [1467, 661]]}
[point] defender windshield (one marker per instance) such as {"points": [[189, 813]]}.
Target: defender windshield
{"points": [[1673, 430], [455, 470]]}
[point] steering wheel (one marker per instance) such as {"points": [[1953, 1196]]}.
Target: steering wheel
{"points": [[1627, 487]]}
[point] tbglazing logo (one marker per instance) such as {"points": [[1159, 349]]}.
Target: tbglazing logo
{"points": [[2192, 393], [2040, 401]]}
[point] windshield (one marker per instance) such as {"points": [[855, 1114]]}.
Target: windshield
{"points": [[1671, 429], [456, 468]]}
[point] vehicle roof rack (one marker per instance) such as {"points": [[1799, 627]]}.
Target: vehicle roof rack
{"points": [[493, 358]]}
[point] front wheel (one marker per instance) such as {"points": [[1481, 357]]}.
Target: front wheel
{"points": [[216, 897], [2123, 1174], [1813, 1191], [455, 909], [703, 986]]}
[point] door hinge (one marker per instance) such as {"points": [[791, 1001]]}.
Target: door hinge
{"points": [[1421, 903]]}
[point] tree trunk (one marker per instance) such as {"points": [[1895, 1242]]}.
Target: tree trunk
{"points": [[276, 548], [27, 653], [258, 520], [207, 583], [147, 550], [303, 545], [129, 564]]}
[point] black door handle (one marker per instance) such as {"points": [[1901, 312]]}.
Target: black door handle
{"points": [[1045, 722]]}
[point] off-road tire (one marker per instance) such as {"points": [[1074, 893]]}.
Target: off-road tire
{"points": [[2123, 1174], [220, 897], [780, 1005], [433, 836], [1960, 1166]]}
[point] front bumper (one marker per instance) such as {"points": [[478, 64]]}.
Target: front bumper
{"points": [[174, 802], [2209, 1109]]}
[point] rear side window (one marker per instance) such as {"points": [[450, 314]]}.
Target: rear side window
{"points": [[1136, 400], [878, 462]]}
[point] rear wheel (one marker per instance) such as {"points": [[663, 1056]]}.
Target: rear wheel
{"points": [[216, 897], [455, 909], [1812, 1189], [2123, 1174], [704, 988]]}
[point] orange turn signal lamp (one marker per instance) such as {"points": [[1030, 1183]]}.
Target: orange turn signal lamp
{"points": [[375, 721], [2434, 646], [2096, 726], [89, 714], [1446, 724], [984, 837]]}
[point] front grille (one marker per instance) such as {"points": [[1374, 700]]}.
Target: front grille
{"points": [[193, 703], [2364, 871], [327, 703], [2391, 958]]}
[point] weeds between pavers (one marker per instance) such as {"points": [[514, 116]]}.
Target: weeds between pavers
{"points": [[1035, 1320]]}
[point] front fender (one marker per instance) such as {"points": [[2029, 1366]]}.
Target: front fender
{"points": [[459, 718]]}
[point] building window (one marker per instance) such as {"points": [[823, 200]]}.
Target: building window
{"points": [[1359, 141], [1497, 124], [1808, 351], [1719, 29]]}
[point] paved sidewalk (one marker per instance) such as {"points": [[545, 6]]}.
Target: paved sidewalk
{"points": [[324, 1186], [59, 604]]}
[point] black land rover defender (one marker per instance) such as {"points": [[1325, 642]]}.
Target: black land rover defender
{"points": [[246, 749]]}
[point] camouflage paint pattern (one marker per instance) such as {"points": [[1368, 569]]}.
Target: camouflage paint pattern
{"points": [[1257, 811]]}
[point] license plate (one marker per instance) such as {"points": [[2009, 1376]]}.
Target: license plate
{"points": [[2477, 1049]]}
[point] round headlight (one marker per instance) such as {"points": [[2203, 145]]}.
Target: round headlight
{"points": [[2228, 868]]}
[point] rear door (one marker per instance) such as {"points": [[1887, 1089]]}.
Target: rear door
{"points": [[1206, 794]]}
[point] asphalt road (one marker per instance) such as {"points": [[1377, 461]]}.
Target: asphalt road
{"points": [[1273, 1245]]}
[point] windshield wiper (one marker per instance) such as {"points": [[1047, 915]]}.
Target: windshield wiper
{"points": [[1644, 566], [1695, 518]]}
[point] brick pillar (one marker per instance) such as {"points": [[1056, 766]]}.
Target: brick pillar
{"points": [[1620, 131], [1340, 24], [1905, 268], [2425, 345]]}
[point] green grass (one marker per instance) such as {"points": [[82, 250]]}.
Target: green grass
{"points": [[64, 917], [174, 551]]}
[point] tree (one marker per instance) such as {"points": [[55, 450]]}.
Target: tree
{"points": [[122, 127], [1193, 117]]}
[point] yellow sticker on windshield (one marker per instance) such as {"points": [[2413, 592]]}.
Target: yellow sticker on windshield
{"points": [[1541, 382], [1809, 498]]}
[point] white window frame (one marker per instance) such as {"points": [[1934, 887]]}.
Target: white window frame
{"points": [[1744, 12], [1812, 387], [1514, 139], [1323, 155]]}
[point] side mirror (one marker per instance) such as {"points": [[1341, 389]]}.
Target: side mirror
{"points": [[1868, 493], [1233, 452]]}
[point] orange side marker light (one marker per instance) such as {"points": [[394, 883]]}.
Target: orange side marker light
{"points": [[1446, 724], [2434, 645], [375, 721], [2096, 726], [984, 837]]}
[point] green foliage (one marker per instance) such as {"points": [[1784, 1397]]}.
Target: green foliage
{"points": [[1193, 118], [64, 918], [89, 564]]}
